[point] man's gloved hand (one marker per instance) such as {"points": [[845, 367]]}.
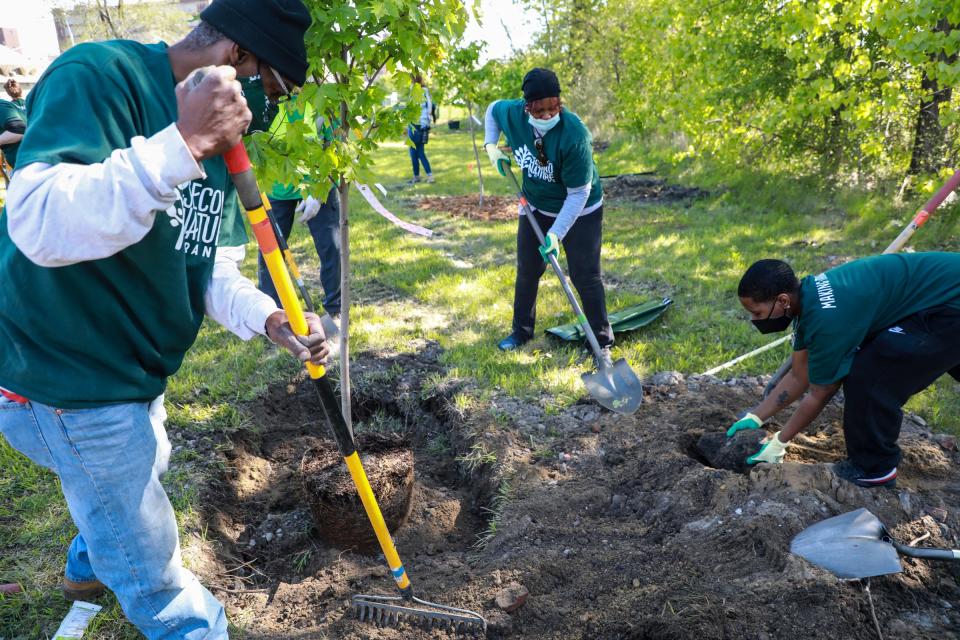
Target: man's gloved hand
{"points": [[551, 247], [772, 452], [498, 159], [308, 209], [746, 421], [312, 347]]}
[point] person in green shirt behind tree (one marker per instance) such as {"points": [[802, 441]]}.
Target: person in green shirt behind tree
{"points": [[553, 150], [108, 249], [13, 121], [322, 218], [884, 328]]}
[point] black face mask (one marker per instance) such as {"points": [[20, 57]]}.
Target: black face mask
{"points": [[772, 325], [263, 110]]}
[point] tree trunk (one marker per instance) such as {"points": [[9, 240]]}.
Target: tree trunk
{"points": [[476, 154], [345, 282], [344, 190], [929, 141]]}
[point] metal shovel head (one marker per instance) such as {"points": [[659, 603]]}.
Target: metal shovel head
{"points": [[615, 387], [850, 546]]}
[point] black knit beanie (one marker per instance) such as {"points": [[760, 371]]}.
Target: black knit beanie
{"points": [[540, 83], [272, 30]]}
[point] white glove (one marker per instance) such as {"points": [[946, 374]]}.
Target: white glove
{"points": [[308, 209], [498, 159], [772, 452]]}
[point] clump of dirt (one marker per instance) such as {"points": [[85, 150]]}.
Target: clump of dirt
{"points": [[722, 452], [338, 513], [494, 207], [613, 525], [647, 188]]}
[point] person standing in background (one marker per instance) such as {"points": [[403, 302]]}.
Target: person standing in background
{"points": [[322, 220], [419, 134]]}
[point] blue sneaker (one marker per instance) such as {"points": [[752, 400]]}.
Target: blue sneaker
{"points": [[512, 341]]}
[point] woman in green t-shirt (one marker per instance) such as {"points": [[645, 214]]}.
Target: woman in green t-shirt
{"points": [[553, 150]]}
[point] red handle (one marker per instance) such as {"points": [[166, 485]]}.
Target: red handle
{"points": [[237, 159]]}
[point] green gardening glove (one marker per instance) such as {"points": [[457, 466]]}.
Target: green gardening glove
{"points": [[747, 421], [499, 160], [551, 246], [772, 452]]}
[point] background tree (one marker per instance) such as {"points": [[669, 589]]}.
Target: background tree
{"points": [[93, 20], [459, 81]]}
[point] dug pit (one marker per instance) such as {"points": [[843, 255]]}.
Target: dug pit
{"points": [[339, 517], [294, 540]]}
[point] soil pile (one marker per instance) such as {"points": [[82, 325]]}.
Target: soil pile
{"points": [[494, 207], [647, 188], [608, 526]]}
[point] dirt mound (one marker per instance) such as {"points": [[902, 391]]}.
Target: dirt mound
{"points": [[614, 525], [494, 207], [647, 188]]}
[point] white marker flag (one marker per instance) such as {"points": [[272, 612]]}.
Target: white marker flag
{"points": [[379, 208]]}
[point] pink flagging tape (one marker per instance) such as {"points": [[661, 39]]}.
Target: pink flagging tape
{"points": [[379, 208]]}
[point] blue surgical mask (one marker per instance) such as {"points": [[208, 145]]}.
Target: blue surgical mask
{"points": [[544, 125]]}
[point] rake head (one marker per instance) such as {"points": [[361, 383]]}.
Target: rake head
{"points": [[387, 611]]}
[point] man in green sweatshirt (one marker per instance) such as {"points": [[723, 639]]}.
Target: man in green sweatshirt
{"points": [[107, 255]]}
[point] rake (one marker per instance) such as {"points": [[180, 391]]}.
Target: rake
{"points": [[382, 610]]}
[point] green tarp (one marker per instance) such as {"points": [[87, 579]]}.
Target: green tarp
{"points": [[639, 315]]}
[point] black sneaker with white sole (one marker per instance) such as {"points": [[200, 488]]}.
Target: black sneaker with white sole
{"points": [[852, 473]]}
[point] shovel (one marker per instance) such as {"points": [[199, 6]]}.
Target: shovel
{"points": [[615, 385], [856, 545]]}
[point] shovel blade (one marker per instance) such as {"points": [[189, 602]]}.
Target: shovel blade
{"points": [[850, 546], [615, 387]]}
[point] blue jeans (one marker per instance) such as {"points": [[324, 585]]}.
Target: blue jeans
{"points": [[417, 152], [325, 230], [109, 460]]}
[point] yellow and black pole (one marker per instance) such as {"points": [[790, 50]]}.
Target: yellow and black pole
{"points": [[375, 608], [288, 256]]}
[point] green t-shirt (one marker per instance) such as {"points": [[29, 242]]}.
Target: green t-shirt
{"points": [[110, 330], [844, 306], [11, 110], [279, 129], [233, 234], [569, 151]]}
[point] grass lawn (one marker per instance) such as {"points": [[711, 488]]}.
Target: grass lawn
{"points": [[457, 289]]}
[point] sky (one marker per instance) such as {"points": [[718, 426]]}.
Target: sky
{"points": [[500, 18]]}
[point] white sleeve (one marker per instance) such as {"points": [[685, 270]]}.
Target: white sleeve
{"points": [[232, 300], [572, 206], [491, 130], [66, 213]]}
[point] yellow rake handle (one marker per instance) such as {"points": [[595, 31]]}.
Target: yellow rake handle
{"points": [[238, 163]]}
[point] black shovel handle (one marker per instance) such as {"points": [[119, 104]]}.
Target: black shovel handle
{"points": [[927, 553]]}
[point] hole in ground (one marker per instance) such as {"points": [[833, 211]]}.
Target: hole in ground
{"points": [[269, 533]]}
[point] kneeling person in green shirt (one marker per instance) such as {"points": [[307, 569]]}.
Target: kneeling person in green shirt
{"points": [[883, 328], [553, 150], [108, 251]]}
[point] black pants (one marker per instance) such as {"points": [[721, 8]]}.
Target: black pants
{"points": [[582, 248], [889, 368], [325, 231]]}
